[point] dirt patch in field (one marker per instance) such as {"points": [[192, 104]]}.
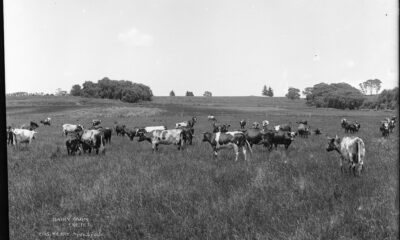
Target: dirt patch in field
{"points": [[122, 112]]}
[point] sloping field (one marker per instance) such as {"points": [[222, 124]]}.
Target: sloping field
{"points": [[132, 193]]}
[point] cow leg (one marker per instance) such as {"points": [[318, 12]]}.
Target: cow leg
{"points": [[244, 152], [341, 164], [236, 149]]}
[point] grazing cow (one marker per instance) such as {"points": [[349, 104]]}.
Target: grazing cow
{"points": [[254, 136], [23, 136], [93, 139], [303, 130], [188, 134], [107, 134], [242, 123], [265, 124], [70, 128], [220, 127], [120, 129], [156, 137], [302, 122], [10, 135], [96, 122], [273, 138], [189, 123], [357, 125], [31, 126], [211, 118], [136, 130], [73, 144], [255, 125], [351, 149], [384, 128], [317, 131], [344, 123], [283, 127], [46, 121], [234, 139], [351, 127]]}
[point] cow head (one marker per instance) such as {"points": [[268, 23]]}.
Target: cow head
{"points": [[207, 136], [292, 135], [333, 144], [142, 136]]}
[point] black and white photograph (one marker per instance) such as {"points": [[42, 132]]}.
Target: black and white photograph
{"points": [[202, 119]]}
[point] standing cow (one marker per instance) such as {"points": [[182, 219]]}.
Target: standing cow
{"points": [[156, 137], [93, 139], [22, 136], [73, 144], [275, 138], [303, 130], [120, 129], [71, 128], [384, 128], [234, 139], [351, 149], [242, 123]]}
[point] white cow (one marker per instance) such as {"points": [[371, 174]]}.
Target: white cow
{"points": [[67, 128], [23, 136], [265, 123], [351, 149]]}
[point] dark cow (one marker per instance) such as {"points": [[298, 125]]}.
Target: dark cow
{"points": [[46, 121], [120, 130], [234, 139], [93, 139], [351, 127], [273, 138], [242, 123], [351, 149], [384, 128], [73, 144], [255, 136], [188, 133], [31, 126], [317, 132], [220, 127], [107, 134], [10, 135], [303, 130], [96, 122], [156, 137]]}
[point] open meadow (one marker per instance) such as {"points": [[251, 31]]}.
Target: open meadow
{"points": [[132, 193]]}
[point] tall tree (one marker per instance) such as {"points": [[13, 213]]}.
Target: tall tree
{"points": [[370, 86], [207, 94], [293, 93], [76, 90], [270, 92], [264, 91], [172, 94]]}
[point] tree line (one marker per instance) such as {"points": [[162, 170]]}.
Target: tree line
{"points": [[125, 91]]}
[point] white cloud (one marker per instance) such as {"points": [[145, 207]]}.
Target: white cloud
{"points": [[135, 38], [316, 57]]}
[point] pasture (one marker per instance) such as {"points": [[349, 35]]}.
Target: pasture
{"points": [[132, 193]]}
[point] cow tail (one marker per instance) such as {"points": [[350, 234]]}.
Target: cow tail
{"points": [[248, 146], [14, 140], [182, 136]]}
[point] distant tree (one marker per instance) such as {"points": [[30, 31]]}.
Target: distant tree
{"points": [[335, 95], [270, 92], [76, 90], [293, 93], [370, 86], [207, 94], [172, 94], [264, 91], [189, 94]]}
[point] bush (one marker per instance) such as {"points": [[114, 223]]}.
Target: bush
{"points": [[335, 95]]}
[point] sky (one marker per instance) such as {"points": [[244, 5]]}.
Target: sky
{"points": [[228, 47]]}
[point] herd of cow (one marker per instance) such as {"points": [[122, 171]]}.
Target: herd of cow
{"points": [[79, 139]]}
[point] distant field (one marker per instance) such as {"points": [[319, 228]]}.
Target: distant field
{"points": [[132, 193]]}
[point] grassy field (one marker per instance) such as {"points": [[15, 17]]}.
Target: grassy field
{"points": [[132, 193]]}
